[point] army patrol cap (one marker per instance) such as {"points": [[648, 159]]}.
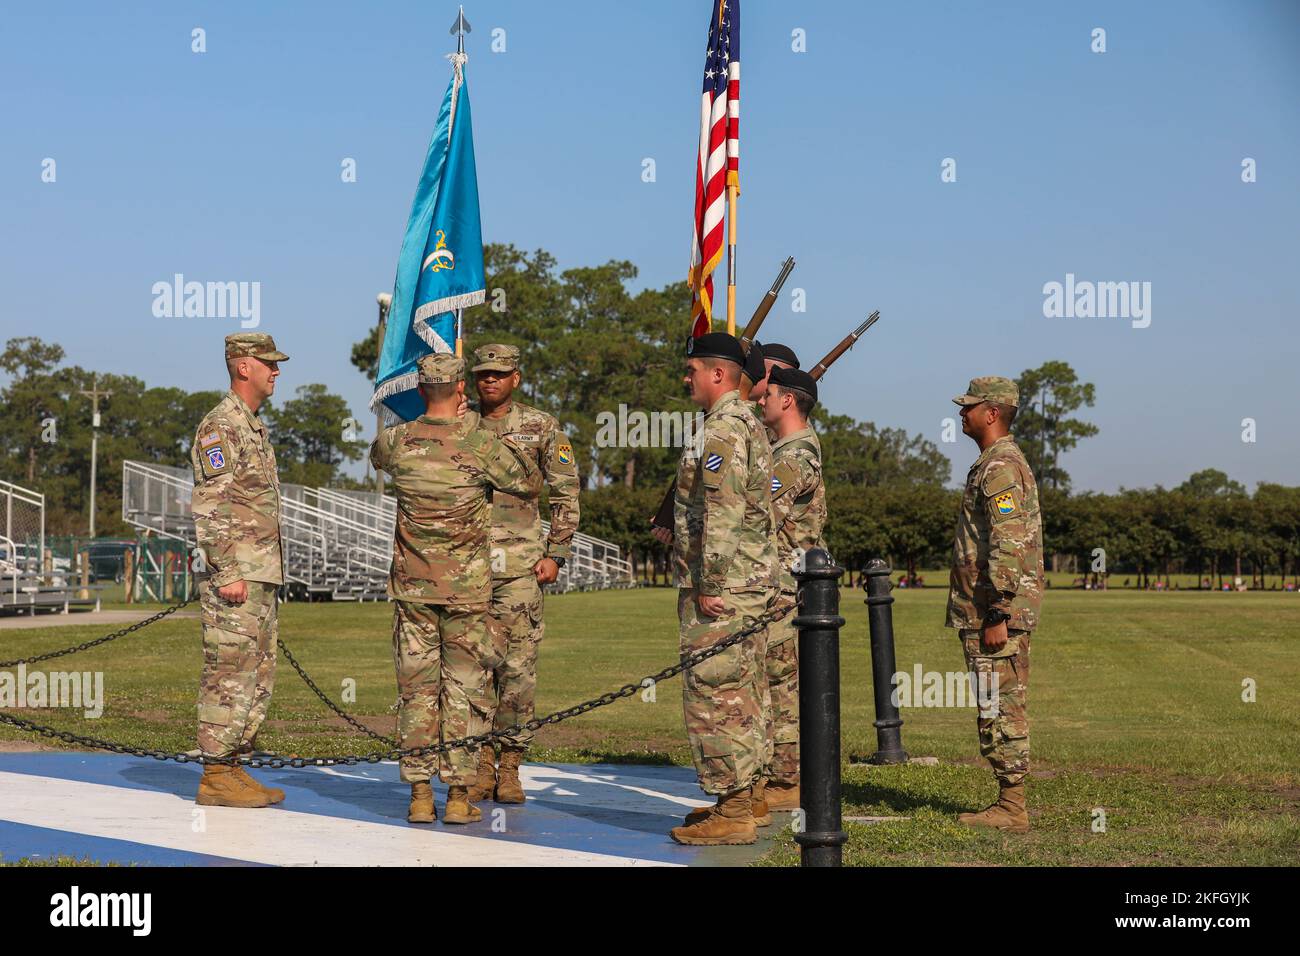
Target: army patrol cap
{"points": [[440, 368], [990, 388], [781, 353], [716, 345], [496, 358], [256, 345]]}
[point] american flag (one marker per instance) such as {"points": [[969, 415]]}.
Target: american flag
{"points": [[718, 163]]}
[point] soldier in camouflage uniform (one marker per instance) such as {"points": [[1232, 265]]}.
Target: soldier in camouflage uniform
{"points": [[799, 514], [443, 469], [522, 562], [725, 562], [236, 506], [996, 590]]}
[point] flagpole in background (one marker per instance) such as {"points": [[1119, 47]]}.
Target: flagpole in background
{"points": [[460, 28], [732, 191]]}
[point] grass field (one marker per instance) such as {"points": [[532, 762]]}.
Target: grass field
{"points": [[1135, 705]]}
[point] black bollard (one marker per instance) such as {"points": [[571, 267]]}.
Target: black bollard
{"points": [[819, 626], [880, 618]]}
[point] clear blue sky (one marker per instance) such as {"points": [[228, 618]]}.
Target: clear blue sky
{"points": [[1117, 166]]}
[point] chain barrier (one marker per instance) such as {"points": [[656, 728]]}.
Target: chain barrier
{"points": [[87, 645], [306, 679], [751, 626]]}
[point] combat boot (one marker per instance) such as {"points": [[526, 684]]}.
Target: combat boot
{"points": [[273, 794], [758, 801], [459, 809], [509, 789], [220, 786], [421, 810], [1008, 813], [782, 796], [730, 823], [486, 781]]}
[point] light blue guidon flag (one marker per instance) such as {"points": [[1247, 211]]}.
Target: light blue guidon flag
{"points": [[440, 268]]}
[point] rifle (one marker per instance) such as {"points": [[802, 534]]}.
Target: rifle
{"points": [[664, 516], [818, 370]]}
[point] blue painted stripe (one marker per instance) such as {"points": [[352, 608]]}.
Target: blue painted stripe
{"points": [[18, 840]]}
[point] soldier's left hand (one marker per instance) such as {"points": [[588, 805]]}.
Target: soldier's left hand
{"points": [[710, 605], [995, 638], [662, 535], [546, 570]]}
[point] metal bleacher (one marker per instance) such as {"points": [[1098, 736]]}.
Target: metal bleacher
{"points": [[31, 580], [338, 544]]}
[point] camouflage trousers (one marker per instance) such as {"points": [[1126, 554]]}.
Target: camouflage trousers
{"points": [[441, 653], [781, 667], [516, 627], [723, 696], [1004, 733], [238, 666]]}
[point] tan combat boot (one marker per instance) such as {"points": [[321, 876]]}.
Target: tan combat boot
{"points": [[273, 794], [1008, 813], [729, 823], [486, 781], [758, 801], [222, 787], [421, 809], [782, 796], [459, 809], [509, 789]]}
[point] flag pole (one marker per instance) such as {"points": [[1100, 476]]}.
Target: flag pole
{"points": [[460, 28], [732, 191]]}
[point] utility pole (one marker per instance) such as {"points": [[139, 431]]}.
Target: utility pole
{"points": [[94, 395]]}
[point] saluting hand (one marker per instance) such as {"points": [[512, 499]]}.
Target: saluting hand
{"points": [[662, 535]]}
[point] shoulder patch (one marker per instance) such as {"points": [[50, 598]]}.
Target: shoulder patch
{"points": [[714, 461], [213, 459], [784, 478], [564, 453]]}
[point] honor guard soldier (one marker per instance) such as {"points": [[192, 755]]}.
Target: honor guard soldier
{"points": [[996, 589], [443, 469], [799, 514], [522, 560], [236, 506], [724, 560]]}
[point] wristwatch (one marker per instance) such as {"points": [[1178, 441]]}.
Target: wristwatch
{"points": [[995, 617], [560, 562]]}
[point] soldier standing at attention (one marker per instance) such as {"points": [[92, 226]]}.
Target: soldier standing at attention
{"points": [[522, 562], [236, 506], [799, 513], [996, 590], [774, 355], [443, 468], [725, 561]]}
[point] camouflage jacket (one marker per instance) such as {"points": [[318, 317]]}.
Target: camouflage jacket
{"points": [[798, 499], [722, 515], [236, 502], [443, 470], [516, 539], [997, 559]]}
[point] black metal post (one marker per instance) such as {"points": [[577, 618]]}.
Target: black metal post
{"points": [[880, 618], [819, 626]]}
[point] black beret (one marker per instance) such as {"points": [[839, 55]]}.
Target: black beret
{"points": [[717, 345], [795, 379], [754, 366], [781, 353]]}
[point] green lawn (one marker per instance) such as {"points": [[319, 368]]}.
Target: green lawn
{"points": [[1135, 704]]}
